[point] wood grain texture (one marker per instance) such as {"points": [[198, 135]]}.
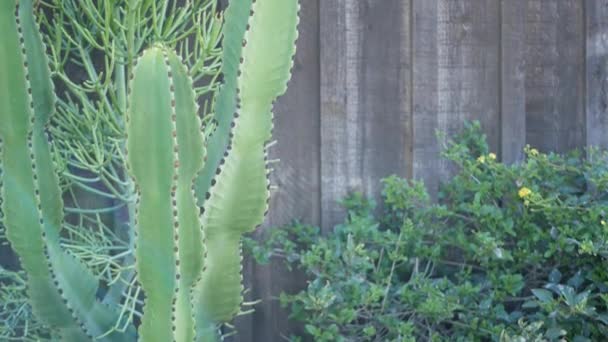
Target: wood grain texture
{"points": [[596, 12], [455, 80], [513, 77], [365, 98], [555, 74], [297, 177], [425, 120]]}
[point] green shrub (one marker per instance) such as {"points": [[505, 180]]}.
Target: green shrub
{"points": [[510, 253]]}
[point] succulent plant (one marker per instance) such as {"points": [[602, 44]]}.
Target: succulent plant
{"points": [[62, 291], [196, 194]]}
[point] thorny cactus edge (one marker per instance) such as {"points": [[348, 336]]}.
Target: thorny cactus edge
{"points": [[188, 264], [61, 290]]}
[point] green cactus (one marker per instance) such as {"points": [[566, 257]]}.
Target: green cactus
{"points": [[188, 264], [257, 65], [234, 199], [62, 290], [165, 151]]}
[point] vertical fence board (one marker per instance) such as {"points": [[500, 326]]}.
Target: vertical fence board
{"points": [[297, 177], [513, 75], [468, 53], [365, 97], [455, 80], [424, 113], [596, 12], [554, 74]]}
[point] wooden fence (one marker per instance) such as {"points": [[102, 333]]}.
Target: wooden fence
{"points": [[374, 79]]}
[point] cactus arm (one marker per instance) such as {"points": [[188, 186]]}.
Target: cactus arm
{"points": [[235, 25], [62, 291], [165, 153], [18, 205], [191, 153], [237, 201], [151, 163]]}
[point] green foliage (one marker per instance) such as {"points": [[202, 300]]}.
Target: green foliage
{"points": [[18, 322], [510, 253], [188, 267]]}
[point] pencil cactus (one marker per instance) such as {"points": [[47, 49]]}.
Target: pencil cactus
{"points": [[195, 197]]}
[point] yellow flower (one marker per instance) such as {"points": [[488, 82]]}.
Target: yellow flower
{"points": [[481, 159], [532, 152], [603, 222], [524, 192], [586, 247], [492, 156]]}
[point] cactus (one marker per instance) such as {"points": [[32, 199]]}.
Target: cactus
{"points": [[165, 151], [257, 66], [188, 264], [232, 185], [62, 291]]}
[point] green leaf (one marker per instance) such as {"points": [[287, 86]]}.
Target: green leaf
{"points": [[577, 280], [485, 304], [568, 293], [555, 276], [312, 330], [555, 333], [369, 331], [581, 297], [603, 318], [543, 295]]}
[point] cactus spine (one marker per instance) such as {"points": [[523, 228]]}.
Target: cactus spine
{"points": [[188, 264]]}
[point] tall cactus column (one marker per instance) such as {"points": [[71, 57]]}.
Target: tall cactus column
{"points": [[20, 189], [259, 45], [62, 291], [165, 152], [190, 267]]}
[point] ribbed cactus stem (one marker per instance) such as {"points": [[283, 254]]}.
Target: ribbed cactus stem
{"points": [[21, 214], [165, 152], [236, 200], [62, 291]]}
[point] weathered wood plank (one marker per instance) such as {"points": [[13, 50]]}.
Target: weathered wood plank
{"points": [[365, 97], [425, 93], [596, 12], [555, 74], [513, 76], [456, 80], [297, 177]]}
